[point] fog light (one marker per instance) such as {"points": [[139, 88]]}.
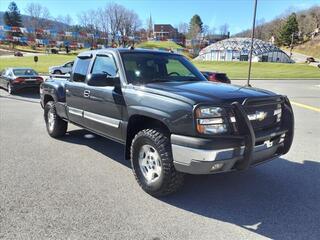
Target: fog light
{"points": [[216, 166], [282, 138]]}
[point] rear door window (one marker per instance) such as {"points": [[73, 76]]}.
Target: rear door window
{"points": [[81, 69]]}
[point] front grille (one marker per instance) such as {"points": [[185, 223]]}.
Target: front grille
{"points": [[264, 109]]}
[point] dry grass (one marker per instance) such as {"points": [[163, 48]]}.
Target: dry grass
{"points": [[310, 48]]}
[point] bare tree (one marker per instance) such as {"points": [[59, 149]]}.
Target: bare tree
{"points": [[66, 20], [183, 28], [224, 29], [113, 20], [212, 31], [103, 22], [122, 21], [259, 31], [115, 12], [206, 30], [39, 14]]}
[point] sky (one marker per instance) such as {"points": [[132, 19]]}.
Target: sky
{"points": [[214, 13]]}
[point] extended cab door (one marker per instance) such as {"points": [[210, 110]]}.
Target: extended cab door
{"points": [[75, 90], [103, 106]]}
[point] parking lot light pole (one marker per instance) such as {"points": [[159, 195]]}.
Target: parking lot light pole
{"points": [[252, 38]]}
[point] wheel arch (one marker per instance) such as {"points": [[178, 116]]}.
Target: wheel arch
{"points": [[47, 98], [138, 122]]}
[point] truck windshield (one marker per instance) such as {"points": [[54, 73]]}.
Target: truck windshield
{"points": [[144, 68]]}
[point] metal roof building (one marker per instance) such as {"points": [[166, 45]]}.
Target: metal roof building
{"points": [[237, 49]]}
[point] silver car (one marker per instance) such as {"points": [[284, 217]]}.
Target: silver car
{"points": [[63, 69]]}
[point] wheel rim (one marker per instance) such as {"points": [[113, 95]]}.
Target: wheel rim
{"points": [[150, 163], [9, 88], [50, 120]]}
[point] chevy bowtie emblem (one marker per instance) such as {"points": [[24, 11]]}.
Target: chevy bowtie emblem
{"points": [[259, 116]]}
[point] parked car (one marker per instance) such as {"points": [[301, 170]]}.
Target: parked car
{"points": [[216, 76], [310, 60], [63, 69], [18, 54], [54, 51], [170, 118], [14, 79]]}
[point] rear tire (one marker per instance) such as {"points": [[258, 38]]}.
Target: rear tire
{"points": [[56, 127], [147, 145]]}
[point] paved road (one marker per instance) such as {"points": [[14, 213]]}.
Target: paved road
{"points": [[4, 53], [80, 187]]}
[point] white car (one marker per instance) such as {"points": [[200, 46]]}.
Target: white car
{"points": [[63, 69]]}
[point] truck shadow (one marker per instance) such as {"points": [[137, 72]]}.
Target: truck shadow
{"points": [[25, 95], [103, 145], [278, 200], [32, 93]]}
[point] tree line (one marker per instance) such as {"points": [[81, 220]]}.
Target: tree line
{"points": [[112, 20], [289, 28]]}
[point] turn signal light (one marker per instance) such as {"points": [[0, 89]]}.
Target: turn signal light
{"points": [[19, 80], [39, 79]]}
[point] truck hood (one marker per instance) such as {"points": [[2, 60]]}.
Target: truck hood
{"points": [[206, 91]]}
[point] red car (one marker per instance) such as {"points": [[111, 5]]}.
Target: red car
{"points": [[216, 77]]}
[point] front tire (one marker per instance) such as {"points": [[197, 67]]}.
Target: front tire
{"points": [[56, 127], [152, 163]]}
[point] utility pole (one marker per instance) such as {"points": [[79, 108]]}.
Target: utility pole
{"points": [[252, 38], [291, 46]]}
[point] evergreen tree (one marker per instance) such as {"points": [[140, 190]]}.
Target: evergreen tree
{"points": [[289, 30], [12, 16], [195, 26]]}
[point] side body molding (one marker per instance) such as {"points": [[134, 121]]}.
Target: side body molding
{"points": [[112, 122]]}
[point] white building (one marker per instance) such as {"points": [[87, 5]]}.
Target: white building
{"points": [[237, 49]]}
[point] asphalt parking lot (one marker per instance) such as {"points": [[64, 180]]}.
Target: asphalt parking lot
{"points": [[79, 187]]}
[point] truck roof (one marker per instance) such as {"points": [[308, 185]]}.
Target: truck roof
{"points": [[121, 50]]}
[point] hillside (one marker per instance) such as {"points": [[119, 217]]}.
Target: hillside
{"points": [[308, 20], [52, 24], [310, 48]]}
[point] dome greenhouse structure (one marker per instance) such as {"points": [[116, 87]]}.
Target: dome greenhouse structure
{"points": [[237, 49]]}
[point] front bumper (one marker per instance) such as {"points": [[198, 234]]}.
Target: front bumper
{"points": [[195, 160], [220, 154]]}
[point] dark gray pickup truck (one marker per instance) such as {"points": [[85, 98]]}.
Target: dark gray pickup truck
{"points": [[171, 120]]}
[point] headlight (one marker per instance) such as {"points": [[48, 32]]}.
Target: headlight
{"points": [[204, 112], [210, 120]]}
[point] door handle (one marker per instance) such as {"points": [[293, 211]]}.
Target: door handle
{"points": [[86, 93]]}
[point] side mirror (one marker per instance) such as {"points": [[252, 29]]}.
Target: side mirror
{"points": [[102, 80]]}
